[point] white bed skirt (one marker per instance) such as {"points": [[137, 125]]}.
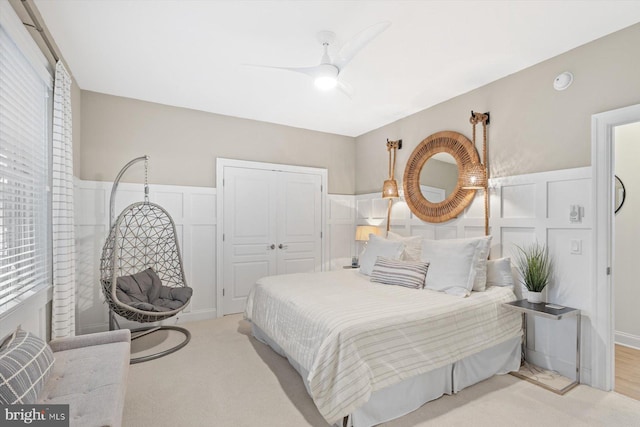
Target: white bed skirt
{"points": [[408, 395]]}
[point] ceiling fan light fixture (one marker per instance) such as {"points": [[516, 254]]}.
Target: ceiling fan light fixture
{"points": [[327, 77], [326, 82]]}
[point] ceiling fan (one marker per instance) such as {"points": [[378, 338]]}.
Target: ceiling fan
{"points": [[326, 73]]}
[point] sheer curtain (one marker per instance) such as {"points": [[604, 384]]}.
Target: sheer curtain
{"points": [[63, 306]]}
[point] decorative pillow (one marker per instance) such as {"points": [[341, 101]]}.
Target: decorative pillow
{"points": [[454, 263], [409, 274], [412, 246], [499, 272], [25, 367], [376, 247], [482, 253]]}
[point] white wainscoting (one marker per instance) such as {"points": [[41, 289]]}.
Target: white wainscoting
{"points": [[340, 245], [193, 210], [523, 209]]}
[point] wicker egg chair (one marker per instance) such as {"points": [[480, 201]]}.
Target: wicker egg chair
{"points": [[143, 236]]}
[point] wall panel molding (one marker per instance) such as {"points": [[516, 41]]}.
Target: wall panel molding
{"points": [[193, 211], [524, 209]]}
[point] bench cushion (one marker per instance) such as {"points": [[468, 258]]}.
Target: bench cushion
{"points": [[92, 380]]}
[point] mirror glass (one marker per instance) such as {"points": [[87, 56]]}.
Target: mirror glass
{"points": [[620, 194], [438, 177]]}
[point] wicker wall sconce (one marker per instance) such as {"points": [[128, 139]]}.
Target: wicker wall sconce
{"points": [[475, 176], [390, 186]]}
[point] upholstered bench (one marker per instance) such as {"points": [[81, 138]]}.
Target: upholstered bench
{"points": [[89, 373]]}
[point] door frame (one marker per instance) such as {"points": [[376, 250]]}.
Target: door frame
{"points": [[602, 164], [221, 163]]}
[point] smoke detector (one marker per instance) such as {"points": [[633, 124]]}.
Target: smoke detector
{"points": [[563, 81]]}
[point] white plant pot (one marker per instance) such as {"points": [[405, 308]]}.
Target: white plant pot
{"points": [[534, 297]]}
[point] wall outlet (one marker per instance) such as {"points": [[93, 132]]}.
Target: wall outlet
{"points": [[576, 246]]}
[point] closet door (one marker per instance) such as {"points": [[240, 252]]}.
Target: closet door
{"points": [[299, 222], [249, 232], [272, 224]]}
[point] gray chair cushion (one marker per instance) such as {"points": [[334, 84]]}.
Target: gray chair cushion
{"points": [[26, 363], [145, 291], [141, 287]]}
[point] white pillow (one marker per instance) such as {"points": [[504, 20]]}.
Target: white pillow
{"points": [[499, 272], [454, 264], [378, 246], [412, 246]]}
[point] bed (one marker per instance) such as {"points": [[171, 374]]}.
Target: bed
{"points": [[368, 352]]}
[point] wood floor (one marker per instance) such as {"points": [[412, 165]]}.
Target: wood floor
{"points": [[628, 371]]}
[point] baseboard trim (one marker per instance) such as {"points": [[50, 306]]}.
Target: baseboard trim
{"points": [[627, 340], [181, 318]]}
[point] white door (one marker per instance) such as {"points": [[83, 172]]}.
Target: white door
{"points": [[272, 225], [249, 232], [299, 218]]}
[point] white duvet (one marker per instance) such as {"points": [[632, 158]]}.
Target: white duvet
{"points": [[354, 336]]}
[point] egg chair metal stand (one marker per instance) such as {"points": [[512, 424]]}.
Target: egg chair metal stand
{"points": [[143, 236]]}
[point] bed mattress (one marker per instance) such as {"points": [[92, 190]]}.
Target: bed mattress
{"points": [[354, 337]]}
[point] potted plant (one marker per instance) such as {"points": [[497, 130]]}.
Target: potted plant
{"points": [[534, 266]]}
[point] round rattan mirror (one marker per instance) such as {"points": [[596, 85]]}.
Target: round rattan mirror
{"points": [[464, 153]]}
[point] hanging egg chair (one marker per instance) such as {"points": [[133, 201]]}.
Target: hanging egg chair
{"points": [[141, 270]]}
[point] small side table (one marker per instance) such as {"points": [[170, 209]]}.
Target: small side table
{"points": [[541, 309]]}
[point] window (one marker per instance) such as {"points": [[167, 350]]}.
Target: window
{"points": [[24, 166]]}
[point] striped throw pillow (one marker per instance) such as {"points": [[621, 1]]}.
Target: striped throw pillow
{"points": [[25, 366], [410, 274]]}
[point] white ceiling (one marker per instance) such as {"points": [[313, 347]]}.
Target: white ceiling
{"points": [[191, 53]]}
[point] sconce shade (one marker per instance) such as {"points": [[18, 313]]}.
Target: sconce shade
{"points": [[363, 231], [474, 177], [390, 189]]}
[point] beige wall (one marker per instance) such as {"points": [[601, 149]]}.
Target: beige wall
{"points": [[627, 231], [183, 144], [533, 127]]}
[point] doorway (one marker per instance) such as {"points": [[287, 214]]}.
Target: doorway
{"points": [[626, 318], [604, 272]]}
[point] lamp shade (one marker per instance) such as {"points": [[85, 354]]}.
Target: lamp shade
{"points": [[474, 177], [363, 231], [390, 189]]}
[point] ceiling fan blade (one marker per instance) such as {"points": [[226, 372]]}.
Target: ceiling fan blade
{"points": [[310, 71], [360, 40], [345, 88]]}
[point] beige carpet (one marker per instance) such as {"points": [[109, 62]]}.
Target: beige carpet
{"points": [[226, 378]]}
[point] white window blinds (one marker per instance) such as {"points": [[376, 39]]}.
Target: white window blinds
{"points": [[24, 174]]}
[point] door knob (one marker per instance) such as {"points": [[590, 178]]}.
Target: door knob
{"points": [[272, 247], [281, 246]]}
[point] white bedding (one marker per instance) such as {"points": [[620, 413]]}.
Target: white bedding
{"points": [[355, 337]]}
